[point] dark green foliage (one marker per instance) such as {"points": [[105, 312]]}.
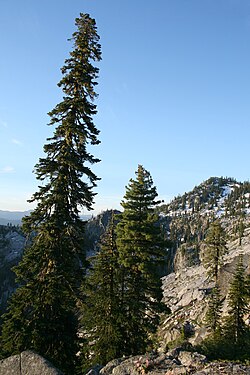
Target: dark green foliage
{"points": [[45, 322], [235, 326], [215, 249], [42, 312], [231, 341], [217, 347], [214, 311], [141, 249], [220, 347], [101, 314]]}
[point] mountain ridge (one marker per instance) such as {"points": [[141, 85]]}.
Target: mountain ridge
{"points": [[214, 193]]}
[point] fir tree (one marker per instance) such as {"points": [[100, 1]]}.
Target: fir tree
{"points": [[235, 326], [213, 316], [141, 250], [42, 312], [101, 315], [215, 249]]}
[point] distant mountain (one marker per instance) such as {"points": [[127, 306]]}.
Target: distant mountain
{"points": [[12, 217], [15, 217]]}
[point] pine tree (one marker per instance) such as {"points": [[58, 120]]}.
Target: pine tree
{"points": [[101, 315], [141, 250], [215, 249], [235, 326], [213, 316], [42, 312]]}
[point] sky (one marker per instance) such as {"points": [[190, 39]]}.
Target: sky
{"points": [[173, 92]]}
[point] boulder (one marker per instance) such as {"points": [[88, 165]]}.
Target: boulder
{"points": [[27, 363], [123, 366], [106, 370]]}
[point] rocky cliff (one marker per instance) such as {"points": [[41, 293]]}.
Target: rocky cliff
{"points": [[11, 249]]}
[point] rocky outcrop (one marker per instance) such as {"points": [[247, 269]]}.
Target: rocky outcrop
{"points": [[175, 362], [27, 363]]}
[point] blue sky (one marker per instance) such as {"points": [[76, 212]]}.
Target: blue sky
{"points": [[174, 91]]}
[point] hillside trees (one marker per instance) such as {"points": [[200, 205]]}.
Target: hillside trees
{"points": [[141, 250], [230, 338], [238, 298], [41, 314]]}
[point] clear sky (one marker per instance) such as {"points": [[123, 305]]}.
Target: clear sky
{"points": [[174, 91]]}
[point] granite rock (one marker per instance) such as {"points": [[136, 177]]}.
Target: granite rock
{"points": [[27, 363]]}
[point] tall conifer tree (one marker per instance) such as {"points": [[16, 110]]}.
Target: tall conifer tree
{"points": [[41, 314], [141, 250]]}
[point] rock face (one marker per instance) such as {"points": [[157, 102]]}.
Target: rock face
{"points": [[27, 363]]}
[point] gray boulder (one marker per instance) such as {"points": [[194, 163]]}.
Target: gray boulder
{"points": [[27, 363]]}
